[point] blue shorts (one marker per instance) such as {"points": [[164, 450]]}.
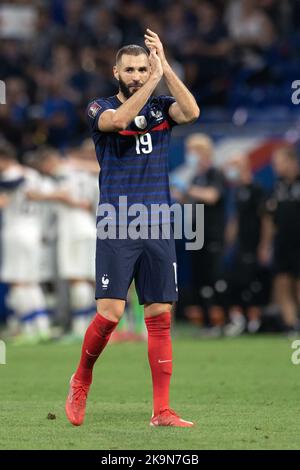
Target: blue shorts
{"points": [[151, 263]]}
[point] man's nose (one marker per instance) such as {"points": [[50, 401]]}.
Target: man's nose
{"points": [[136, 77]]}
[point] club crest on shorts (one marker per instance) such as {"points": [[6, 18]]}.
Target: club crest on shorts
{"points": [[105, 281], [140, 122], [93, 109]]}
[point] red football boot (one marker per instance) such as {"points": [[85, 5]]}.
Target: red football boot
{"points": [[76, 401], [168, 417]]}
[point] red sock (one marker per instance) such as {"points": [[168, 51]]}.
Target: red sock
{"points": [[95, 340], [160, 358]]}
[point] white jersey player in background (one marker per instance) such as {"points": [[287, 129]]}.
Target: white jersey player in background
{"points": [[76, 194], [48, 266], [21, 246]]}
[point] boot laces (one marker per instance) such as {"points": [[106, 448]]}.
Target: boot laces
{"points": [[79, 393]]}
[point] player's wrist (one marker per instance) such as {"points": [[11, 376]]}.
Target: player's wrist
{"points": [[166, 67], [164, 62], [155, 78]]}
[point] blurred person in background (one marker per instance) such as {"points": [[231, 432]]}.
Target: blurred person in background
{"points": [[76, 31], [244, 231], [104, 28], [21, 240], [182, 176], [17, 100], [129, 16], [59, 114], [46, 34], [205, 53], [214, 47], [47, 210], [202, 183], [83, 158], [76, 196], [13, 59], [281, 231], [176, 29], [249, 25], [14, 114], [251, 30]]}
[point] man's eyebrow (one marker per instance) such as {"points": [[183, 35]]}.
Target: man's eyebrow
{"points": [[143, 67]]}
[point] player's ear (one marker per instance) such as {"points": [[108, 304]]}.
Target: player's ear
{"points": [[115, 72]]}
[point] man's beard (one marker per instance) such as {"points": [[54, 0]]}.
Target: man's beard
{"points": [[125, 89]]}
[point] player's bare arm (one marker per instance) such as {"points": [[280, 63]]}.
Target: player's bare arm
{"points": [[134, 70], [266, 239], [207, 195], [185, 109], [59, 196], [84, 165]]}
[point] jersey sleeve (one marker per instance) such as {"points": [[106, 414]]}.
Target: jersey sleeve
{"points": [[94, 111], [165, 103]]}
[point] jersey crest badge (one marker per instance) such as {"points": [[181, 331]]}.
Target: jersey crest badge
{"points": [[140, 122], [157, 114], [93, 109]]}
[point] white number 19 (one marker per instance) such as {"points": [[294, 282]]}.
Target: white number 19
{"points": [[143, 143]]}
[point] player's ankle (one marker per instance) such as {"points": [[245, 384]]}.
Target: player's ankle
{"points": [[85, 376]]}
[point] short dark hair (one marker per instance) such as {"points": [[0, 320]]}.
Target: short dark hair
{"points": [[7, 150], [131, 49]]}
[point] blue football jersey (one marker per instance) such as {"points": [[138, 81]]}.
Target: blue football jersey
{"points": [[134, 161]]}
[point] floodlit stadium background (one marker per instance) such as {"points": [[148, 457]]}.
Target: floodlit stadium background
{"points": [[239, 59]]}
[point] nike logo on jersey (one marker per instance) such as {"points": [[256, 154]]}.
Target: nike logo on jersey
{"points": [[168, 360]]}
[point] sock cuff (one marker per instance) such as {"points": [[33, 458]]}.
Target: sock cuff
{"points": [[161, 321], [102, 323]]}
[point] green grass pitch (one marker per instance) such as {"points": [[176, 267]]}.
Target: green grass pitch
{"points": [[242, 393]]}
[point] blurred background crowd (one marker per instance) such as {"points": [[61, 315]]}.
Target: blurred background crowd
{"points": [[57, 54], [239, 58]]}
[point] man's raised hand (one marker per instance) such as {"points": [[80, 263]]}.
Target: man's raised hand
{"points": [[152, 41], [155, 65]]}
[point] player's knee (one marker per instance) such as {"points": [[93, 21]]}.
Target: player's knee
{"points": [[152, 310], [112, 309]]}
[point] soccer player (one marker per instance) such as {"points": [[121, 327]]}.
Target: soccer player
{"points": [[75, 193], [131, 132], [21, 241]]}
